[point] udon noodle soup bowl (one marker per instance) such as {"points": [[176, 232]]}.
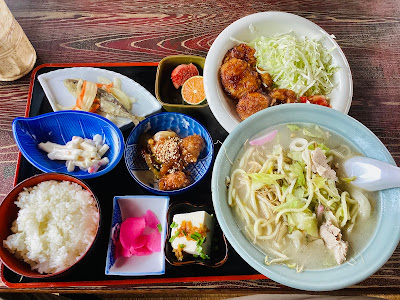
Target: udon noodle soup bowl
{"points": [[359, 265]]}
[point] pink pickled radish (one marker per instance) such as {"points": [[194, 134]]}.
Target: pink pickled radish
{"points": [[140, 241], [121, 251], [141, 251], [131, 229], [137, 236], [264, 139], [154, 242], [151, 219]]}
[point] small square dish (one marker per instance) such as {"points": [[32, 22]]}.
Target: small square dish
{"points": [[218, 253], [136, 207], [168, 96]]}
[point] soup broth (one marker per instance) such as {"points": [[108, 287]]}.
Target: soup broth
{"points": [[281, 197]]}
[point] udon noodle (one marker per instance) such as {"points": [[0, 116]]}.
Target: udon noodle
{"points": [[292, 201]]}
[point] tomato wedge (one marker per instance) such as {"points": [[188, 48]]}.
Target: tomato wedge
{"points": [[317, 99]]}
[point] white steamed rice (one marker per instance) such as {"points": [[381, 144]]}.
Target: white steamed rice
{"points": [[56, 224]]}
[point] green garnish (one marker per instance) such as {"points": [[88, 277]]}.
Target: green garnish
{"points": [[173, 225], [174, 236], [196, 236], [195, 255], [199, 249], [182, 246], [159, 227], [201, 241], [204, 256]]}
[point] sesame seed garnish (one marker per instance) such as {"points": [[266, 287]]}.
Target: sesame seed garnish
{"points": [[167, 149]]}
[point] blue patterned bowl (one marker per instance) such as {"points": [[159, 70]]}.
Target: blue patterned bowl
{"points": [[59, 127], [183, 126]]}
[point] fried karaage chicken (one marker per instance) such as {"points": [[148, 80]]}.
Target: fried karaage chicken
{"points": [[266, 80], [238, 78], [282, 96], [242, 52], [251, 103], [167, 156], [173, 181], [253, 87], [191, 147]]}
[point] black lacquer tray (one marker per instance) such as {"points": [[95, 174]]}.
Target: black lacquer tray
{"points": [[118, 182]]}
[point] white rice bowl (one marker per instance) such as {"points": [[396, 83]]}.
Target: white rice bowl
{"points": [[56, 224]]}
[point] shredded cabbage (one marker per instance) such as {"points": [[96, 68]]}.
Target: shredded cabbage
{"points": [[303, 66], [293, 127], [264, 179], [297, 169]]}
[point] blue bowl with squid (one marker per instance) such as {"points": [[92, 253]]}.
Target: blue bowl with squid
{"points": [[60, 127]]}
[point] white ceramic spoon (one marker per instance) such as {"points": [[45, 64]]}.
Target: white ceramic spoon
{"points": [[372, 174]]}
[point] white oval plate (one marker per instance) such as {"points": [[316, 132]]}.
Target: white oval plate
{"points": [[269, 23], [58, 95]]}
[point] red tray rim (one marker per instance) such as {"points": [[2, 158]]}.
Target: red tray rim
{"points": [[68, 284]]}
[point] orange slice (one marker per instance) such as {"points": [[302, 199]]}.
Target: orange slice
{"points": [[193, 90]]}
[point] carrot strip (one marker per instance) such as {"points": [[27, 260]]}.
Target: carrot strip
{"points": [[107, 86], [79, 103], [95, 105]]}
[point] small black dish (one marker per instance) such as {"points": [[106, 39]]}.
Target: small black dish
{"points": [[219, 247]]}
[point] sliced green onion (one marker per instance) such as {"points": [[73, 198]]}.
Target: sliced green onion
{"points": [[174, 236], [204, 256]]}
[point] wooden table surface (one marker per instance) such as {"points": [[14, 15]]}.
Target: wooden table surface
{"points": [[89, 31]]}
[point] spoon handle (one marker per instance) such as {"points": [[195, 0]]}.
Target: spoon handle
{"points": [[371, 174], [390, 176]]}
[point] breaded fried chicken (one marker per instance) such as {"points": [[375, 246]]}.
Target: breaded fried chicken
{"points": [[173, 181], [282, 96], [267, 80], [191, 147], [251, 103], [242, 52], [238, 78]]}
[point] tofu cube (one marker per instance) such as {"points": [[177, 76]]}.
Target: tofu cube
{"points": [[197, 219]]}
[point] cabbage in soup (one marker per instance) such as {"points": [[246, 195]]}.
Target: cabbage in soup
{"points": [[293, 202]]}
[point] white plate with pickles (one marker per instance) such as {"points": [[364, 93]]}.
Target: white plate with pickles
{"points": [[110, 94]]}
